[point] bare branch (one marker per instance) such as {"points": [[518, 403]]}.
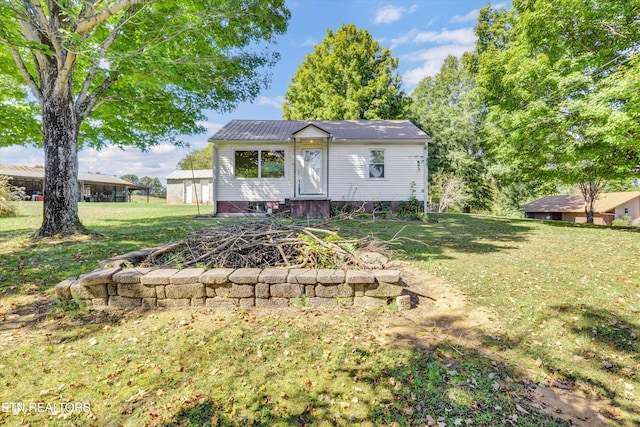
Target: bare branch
{"points": [[41, 20], [31, 82], [85, 25], [111, 38], [90, 102]]}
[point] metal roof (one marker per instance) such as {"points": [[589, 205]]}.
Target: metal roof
{"points": [[189, 174], [341, 130], [575, 202], [38, 173]]}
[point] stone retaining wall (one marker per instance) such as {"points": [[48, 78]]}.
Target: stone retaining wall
{"points": [[119, 287]]}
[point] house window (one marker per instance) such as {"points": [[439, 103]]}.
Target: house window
{"points": [[259, 164], [376, 163]]}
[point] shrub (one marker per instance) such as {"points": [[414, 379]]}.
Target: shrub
{"points": [[8, 192], [623, 221]]}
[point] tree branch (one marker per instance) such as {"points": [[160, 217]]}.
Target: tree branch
{"points": [[85, 25], [31, 82], [89, 103], [81, 99], [38, 13]]}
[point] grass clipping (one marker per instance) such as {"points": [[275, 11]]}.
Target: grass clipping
{"points": [[269, 244]]}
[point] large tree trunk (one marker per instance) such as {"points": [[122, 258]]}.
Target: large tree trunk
{"points": [[591, 192], [60, 125]]}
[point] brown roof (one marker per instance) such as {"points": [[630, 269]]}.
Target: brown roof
{"points": [[575, 202], [340, 130]]}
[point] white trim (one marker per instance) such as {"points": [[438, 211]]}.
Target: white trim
{"points": [[384, 176], [259, 177]]}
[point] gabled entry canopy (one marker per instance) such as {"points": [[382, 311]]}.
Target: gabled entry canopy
{"points": [[311, 132]]}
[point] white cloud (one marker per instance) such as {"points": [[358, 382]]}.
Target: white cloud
{"points": [[463, 36], [469, 17], [433, 59], [275, 102], [390, 14], [309, 42], [210, 128]]}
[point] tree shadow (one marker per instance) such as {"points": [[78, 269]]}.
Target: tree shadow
{"points": [[604, 346], [445, 235]]}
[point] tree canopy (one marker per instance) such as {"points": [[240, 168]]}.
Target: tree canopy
{"points": [[560, 83], [348, 76], [198, 159], [447, 107], [124, 72]]}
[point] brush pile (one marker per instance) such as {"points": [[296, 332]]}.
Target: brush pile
{"points": [[267, 244]]}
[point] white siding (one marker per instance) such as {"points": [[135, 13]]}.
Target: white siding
{"points": [[231, 188], [349, 172], [310, 132]]}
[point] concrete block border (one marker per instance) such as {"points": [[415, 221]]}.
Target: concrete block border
{"points": [[119, 287], [116, 284]]}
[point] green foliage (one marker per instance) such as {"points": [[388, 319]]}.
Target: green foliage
{"points": [[623, 221], [447, 107], [8, 206], [156, 189], [152, 68], [560, 82], [347, 77], [199, 159]]}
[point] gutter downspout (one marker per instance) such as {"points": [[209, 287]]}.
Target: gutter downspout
{"points": [[329, 139], [214, 184], [295, 168], [426, 178]]}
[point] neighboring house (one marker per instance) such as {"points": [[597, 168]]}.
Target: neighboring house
{"points": [[190, 186], [607, 207], [93, 187], [307, 167]]}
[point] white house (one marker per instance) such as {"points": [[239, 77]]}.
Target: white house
{"points": [[264, 166]]}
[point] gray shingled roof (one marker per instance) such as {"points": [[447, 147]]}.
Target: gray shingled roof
{"points": [[341, 130]]}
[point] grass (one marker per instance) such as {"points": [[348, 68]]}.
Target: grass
{"points": [[567, 298]]}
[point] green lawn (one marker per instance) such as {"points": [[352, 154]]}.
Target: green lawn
{"points": [[567, 298]]}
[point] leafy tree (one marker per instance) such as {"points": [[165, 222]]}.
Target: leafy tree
{"points": [[560, 81], [347, 77], [124, 72], [156, 189], [447, 107], [199, 159], [131, 178]]}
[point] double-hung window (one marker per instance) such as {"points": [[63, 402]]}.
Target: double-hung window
{"points": [[259, 163], [376, 164]]}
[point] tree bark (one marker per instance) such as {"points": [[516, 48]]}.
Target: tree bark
{"points": [[60, 126]]}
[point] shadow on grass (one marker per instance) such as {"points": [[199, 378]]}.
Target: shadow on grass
{"points": [[603, 352], [37, 265], [445, 236], [445, 383]]}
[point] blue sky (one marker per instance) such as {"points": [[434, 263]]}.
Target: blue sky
{"points": [[421, 33]]}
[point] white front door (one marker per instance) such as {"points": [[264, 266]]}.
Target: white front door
{"points": [[189, 192], [312, 178]]}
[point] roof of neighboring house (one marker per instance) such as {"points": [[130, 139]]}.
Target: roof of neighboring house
{"points": [[340, 130], [38, 173], [190, 174], [575, 202]]}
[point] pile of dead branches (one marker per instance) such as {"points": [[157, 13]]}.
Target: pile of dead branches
{"points": [[264, 244]]}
